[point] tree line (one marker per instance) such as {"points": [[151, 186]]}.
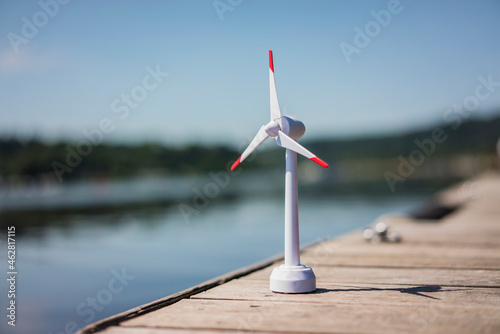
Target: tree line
{"points": [[33, 157]]}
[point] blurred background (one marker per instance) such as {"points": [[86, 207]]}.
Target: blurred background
{"points": [[119, 122]]}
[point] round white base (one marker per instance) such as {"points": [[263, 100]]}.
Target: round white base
{"points": [[292, 279]]}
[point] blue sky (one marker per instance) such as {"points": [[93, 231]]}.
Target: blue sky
{"points": [[64, 78]]}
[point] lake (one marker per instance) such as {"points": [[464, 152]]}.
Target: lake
{"points": [[79, 261]]}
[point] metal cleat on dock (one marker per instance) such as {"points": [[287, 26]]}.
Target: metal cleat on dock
{"points": [[381, 233]]}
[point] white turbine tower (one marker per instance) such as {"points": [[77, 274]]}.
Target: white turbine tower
{"points": [[291, 277]]}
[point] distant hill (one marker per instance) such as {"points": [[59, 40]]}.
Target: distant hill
{"points": [[470, 137], [473, 137], [107, 160]]}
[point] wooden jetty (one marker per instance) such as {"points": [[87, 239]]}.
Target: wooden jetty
{"points": [[444, 277]]}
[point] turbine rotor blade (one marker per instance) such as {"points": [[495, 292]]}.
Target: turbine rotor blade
{"points": [[284, 141], [275, 106], [259, 138]]}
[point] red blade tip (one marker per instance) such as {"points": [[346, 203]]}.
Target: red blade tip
{"points": [[236, 163], [271, 66], [319, 162]]}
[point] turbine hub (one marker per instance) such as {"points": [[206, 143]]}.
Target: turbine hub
{"points": [[272, 128]]}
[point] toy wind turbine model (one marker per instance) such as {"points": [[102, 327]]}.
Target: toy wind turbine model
{"points": [[291, 277]]}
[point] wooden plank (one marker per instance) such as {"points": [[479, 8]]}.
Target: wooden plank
{"points": [[430, 233], [123, 330], [333, 248], [402, 255], [462, 239], [358, 294], [368, 275], [403, 262], [142, 330], [320, 318]]}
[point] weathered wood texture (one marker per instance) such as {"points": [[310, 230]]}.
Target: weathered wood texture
{"points": [[444, 277]]}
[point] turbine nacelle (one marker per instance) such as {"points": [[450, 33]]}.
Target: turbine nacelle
{"points": [[290, 126]]}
